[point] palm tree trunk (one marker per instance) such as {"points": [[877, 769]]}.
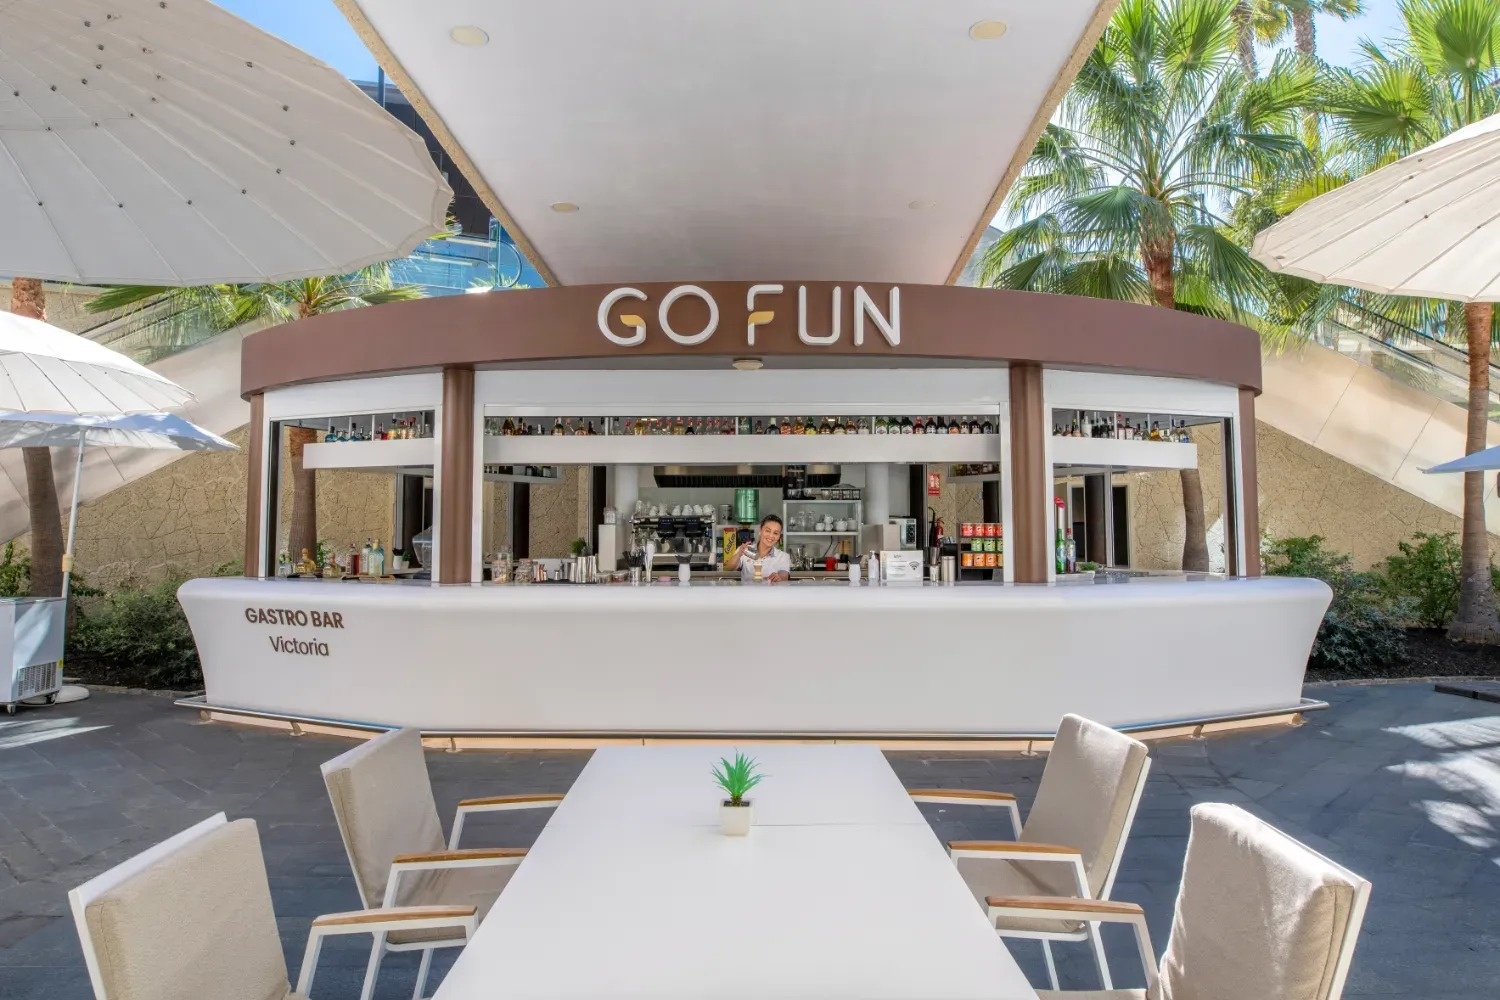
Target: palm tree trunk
{"points": [[1476, 620], [1156, 255], [1304, 30], [29, 298], [303, 532], [1244, 37]]}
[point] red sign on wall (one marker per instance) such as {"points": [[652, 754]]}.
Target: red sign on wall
{"points": [[934, 484]]}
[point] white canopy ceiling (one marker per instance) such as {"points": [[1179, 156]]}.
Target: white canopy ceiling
{"points": [[705, 139]]}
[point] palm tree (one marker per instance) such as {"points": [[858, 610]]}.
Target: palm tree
{"points": [[1273, 19], [29, 298], [188, 312], [1442, 74], [1121, 197]]}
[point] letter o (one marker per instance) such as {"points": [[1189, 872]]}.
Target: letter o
{"points": [[639, 337], [697, 338]]}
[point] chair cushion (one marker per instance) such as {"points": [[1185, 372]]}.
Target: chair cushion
{"points": [[1000, 877], [1086, 794], [472, 886], [382, 800], [196, 924], [1258, 915]]}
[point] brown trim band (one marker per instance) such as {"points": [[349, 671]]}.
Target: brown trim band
{"points": [[456, 489], [255, 474], [941, 323]]}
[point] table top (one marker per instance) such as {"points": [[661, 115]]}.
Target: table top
{"points": [[840, 890]]}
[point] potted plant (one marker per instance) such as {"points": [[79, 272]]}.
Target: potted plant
{"points": [[736, 777]]}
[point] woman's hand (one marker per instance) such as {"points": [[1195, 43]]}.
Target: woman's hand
{"points": [[738, 554]]}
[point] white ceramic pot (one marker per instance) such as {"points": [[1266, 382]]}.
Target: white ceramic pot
{"points": [[736, 819]]}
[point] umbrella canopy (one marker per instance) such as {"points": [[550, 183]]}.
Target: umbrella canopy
{"points": [[44, 369], [1479, 461], [158, 431], [157, 143], [1423, 225]]}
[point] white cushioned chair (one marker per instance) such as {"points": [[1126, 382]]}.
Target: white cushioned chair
{"points": [[1072, 840], [191, 919], [1259, 916], [382, 800]]}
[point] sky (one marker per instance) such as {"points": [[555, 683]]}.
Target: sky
{"points": [[316, 26]]}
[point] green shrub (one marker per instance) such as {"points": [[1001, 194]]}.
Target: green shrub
{"points": [[1425, 576], [136, 637], [15, 572], [1360, 633]]}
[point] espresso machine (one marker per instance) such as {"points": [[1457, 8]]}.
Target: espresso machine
{"points": [[683, 540]]}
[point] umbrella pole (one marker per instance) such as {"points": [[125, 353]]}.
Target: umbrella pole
{"points": [[67, 564]]}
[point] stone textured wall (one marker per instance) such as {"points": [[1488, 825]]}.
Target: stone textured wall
{"points": [[1303, 491], [184, 519], [352, 506]]}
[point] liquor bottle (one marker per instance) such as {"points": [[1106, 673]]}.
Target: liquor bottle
{"points": [[1155, 431], [975, 428], [907, 426], [1000, 546], [864, 425], [825, 427], [916, 427], [811, 427], [689, 429], [839, 428], [557, 427], [850, 427], [882, 425], [987, 427], [786, 426], [380, 431], [1085, 426], [1070, 553], [932, 425], [367, 558], [1061, 558], [331, 437]]}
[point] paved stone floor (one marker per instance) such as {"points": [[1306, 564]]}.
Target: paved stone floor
{"points": [[1398, 782]]}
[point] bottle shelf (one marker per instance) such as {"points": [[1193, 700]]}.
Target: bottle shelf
{"points": [[1123, 455]]}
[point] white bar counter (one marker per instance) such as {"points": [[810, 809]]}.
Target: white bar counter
{"points": [[816, 659]]}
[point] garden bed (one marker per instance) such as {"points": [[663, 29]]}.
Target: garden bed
{"points": [[1428, 653]]}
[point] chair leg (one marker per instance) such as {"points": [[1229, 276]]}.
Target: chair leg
{"points": [[1051, 965], [1096, 941], [377, 952], [416, 994]]}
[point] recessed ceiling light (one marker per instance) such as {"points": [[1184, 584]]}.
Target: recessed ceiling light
{"points": [[982, 31], [921, 203], [748, 364], [469, 34], [564, 206]]}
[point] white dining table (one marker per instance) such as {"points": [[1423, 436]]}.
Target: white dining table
{"points": [[840, 891]]}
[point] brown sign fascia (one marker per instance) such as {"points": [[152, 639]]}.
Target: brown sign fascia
{"points": [[942, 323]]}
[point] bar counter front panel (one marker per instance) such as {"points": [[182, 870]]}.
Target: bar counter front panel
{"points": [[815, 660]]}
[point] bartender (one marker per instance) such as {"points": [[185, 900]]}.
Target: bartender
{"points": [[775, 565]]}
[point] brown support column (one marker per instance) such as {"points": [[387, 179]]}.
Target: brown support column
{"points": [[456, 486], [1250, 490], [255, 473], [1028, 541]]}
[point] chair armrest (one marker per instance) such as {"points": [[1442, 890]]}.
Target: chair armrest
{"points": [[1092, 910], [961, 796], [1018, 850], [1021, 849], [396, 918], [477, 857], [462, 919], [1066, 908], [499, 803], [463, 858]]}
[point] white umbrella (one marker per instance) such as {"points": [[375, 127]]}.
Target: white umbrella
{"points": [[171, 143], [44, 369], [1424, 225], [160, 431]]}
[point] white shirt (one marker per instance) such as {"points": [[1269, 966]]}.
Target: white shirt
{"points": [[777, 561]]}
